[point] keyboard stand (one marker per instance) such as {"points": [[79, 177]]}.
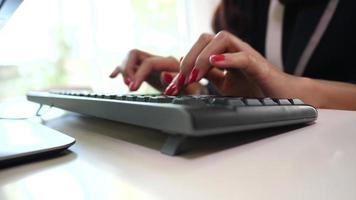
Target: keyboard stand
{"points": [[172, 144], [39, 110]]}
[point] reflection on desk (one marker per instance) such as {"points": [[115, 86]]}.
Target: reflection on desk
{"points": [[118, 161]]}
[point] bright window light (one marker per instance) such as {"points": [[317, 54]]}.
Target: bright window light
{"points": [[66, 43]]}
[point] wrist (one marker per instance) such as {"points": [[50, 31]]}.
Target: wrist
{"points": [[308, 92]]}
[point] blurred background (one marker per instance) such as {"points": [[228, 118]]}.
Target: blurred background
{"points": [[66, 43]]}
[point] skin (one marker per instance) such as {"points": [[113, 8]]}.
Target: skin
{"points": [[158, 71], [236, 69]]}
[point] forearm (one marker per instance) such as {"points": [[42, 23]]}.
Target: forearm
{"points": [[327, 94]]}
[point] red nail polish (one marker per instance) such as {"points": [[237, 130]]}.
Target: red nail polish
{"points": [[170, 89], [193, 75], [133, 86], [167, 78], [217, 58], [127, 80], [180, 80], [175, 91]]}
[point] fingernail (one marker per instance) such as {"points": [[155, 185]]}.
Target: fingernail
{"points": [[170, 89], [127, 80], [112, 74], [193, 75], [181, 58], [133, 86], [175, 91], [181, 80], [217, 58], [167, 77]]}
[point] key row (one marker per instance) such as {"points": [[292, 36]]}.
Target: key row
{"points": [[189, 99]]}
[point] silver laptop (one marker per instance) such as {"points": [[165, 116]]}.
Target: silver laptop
{"points": [[22, 140]]}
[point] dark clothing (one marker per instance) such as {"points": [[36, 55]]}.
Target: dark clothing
{"points": [[335, 56]]}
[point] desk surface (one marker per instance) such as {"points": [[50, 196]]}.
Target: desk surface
{"points": [[117, 161]]}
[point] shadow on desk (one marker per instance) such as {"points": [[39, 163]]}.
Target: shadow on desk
{"points": [[192, 148], [197, 147]]}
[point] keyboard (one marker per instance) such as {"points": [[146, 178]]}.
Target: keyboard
{"points": [[182, 116]]}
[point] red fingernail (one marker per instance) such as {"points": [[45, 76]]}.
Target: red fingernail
{"points": [[217, 58], [167, 77], [181, 80], [170, 89], [175, 91], [193, 75], [127, 80], [133, 86]]}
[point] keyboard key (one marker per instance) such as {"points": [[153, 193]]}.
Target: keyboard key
{"points": [[131, 98], [109, 96], [253, 102], [228, 101], [269, 102], [297, 102], [236, 102], [188, 101], [219, 101], [100, 95], [161, 99], [142, 98], [284, 102]]}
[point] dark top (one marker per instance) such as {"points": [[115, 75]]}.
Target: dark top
{"points": [[333, 59]]}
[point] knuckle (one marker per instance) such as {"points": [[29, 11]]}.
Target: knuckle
{"points": [[246, 58], [133, 52], [201, 59], [205, 37], [171, 58], [148, 63], [223, 35], [126, 71]]}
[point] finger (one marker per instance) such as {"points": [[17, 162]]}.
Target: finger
{"points": [[221, 43], [134, 58], [167, 77], [216, 76], [252, 65], [195, 89], [116, 72], [187, 63], [188, 60], [152, 64]]}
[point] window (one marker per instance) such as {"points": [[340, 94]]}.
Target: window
{"points": [[65, 43]]}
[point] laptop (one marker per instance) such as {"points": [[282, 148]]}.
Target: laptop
{"points": [[23, 140]]}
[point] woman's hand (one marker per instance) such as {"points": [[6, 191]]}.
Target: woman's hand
{"points": [[141, 66], [158, 71], [234, 67]]}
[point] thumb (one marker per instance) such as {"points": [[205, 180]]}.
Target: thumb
{"points": [[216, 76]]}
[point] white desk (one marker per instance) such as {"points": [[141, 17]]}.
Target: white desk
{"points": [[116, 161]]}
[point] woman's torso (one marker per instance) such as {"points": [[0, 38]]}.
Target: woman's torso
{"points": [[333, 57]]}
